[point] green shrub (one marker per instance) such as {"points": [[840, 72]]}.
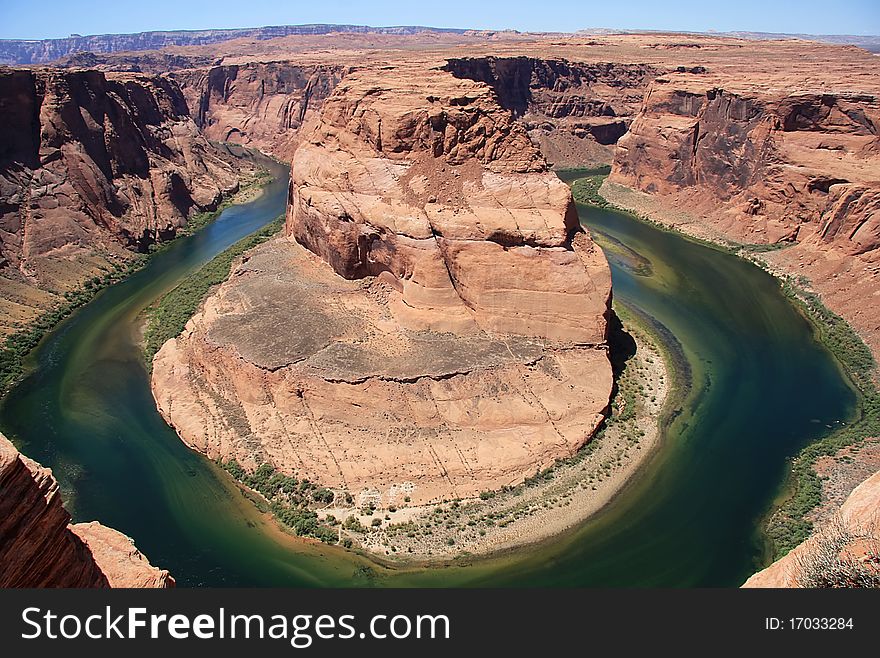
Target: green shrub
{"points": [[586, 190], [353, 524], [323, 495], [18, 345], [288, 498], [787, 526]]}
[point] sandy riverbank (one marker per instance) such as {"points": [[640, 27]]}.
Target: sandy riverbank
{"points": [[550, 504]]}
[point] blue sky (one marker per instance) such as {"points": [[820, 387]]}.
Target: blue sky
{"points": [[39, 19]]}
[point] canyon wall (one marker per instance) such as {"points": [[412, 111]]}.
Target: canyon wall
{"points": [[776, 165], [764, 165], [40, 548], [574, 112], [257, 104], [92, 167], [432, 325]]}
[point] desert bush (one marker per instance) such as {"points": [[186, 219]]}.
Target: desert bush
{"points": [[826, 562]]}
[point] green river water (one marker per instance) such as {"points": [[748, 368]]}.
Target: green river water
{"points": [[761, 388]]}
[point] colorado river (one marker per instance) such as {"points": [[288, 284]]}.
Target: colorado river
{"points": [[761, 388]]}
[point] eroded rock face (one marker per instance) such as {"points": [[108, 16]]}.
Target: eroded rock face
{"points": [[574, 112], [92, 166], [39, 547], [432, 326], [775, 163], [262, 105], [765, 164], [427, 178]]}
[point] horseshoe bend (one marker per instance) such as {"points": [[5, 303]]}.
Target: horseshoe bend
{"points": [[418, 358], [432, 323]]}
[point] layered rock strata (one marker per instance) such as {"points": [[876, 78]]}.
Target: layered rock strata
{"points": [[779, 165], [93, 166], [40, 548], [432, 326], [575, 112], [258, 104], [793, 168]]}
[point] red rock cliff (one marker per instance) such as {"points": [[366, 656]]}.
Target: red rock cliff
{"points": [[426, 177], [257, 104], [93, 165], [39, 547], [574, 112], [774, 163], [770, 161]]}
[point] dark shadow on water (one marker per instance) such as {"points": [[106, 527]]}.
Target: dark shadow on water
{"points": [[622, 346]]}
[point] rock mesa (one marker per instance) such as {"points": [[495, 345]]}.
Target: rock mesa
{"points": [[431, 325]]}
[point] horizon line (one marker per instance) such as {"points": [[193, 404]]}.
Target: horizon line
{"points": [[459, 30]]}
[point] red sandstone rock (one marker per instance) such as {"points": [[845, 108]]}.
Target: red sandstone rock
{"points": [[38, 547], [91, 165], [860, 513], [257, 104], [443, 334], [752, 162], [425, 176], [764, 164]]}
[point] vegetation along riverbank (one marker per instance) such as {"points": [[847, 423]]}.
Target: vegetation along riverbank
{"points": [[551, 501], [18, 345], [789, 522]]}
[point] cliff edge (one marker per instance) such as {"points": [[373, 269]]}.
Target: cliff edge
{"points": [[40, 548], [93, 166], [852, 538]]}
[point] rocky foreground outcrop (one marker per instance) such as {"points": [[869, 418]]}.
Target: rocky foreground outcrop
{"points": [[40, 548], [860, 543], [432, 326], [92, 167]]}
